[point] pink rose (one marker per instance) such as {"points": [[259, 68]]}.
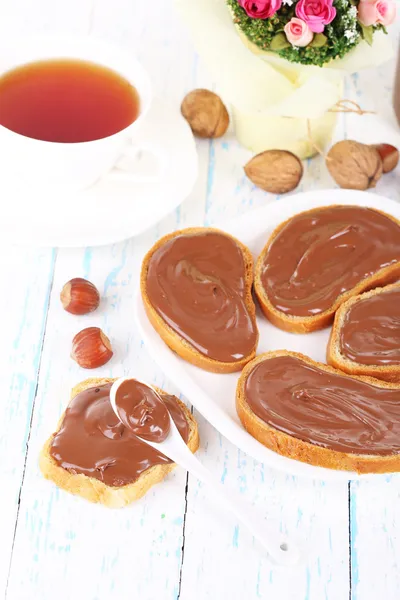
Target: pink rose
{"points": [[316, 13], [260, 9], [298, 33], [372, 12]]}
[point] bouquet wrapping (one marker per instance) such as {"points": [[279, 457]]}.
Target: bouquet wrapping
{"points": [[280, 91]]}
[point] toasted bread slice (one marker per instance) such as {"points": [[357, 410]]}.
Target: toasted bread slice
{"points": [[96, 491], [307, 324], [297, 449], [178, 344], [334, 354]]}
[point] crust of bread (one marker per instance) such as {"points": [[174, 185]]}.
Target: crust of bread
{"points": [[293, 447], [335, 358], [179, 345], [296, 324], [96, 491]]}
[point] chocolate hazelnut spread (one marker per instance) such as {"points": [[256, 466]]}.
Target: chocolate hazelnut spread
{"points": [[322, 253], [370, 332], [93, 441], [196, 283], [330, 410], [142, 411]]}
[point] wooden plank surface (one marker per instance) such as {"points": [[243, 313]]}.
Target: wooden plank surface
{"points": [[174, 543], [26, 280], [63, 532], [221, 558]]}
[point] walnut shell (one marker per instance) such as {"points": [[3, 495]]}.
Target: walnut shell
{"points": [[354, 166], [206, 113], [275, 171]]}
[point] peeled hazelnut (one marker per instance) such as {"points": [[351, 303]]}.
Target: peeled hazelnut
{"points": [[91, 348], [206, 114], [79, 296], [275, 171], [354, 166], [389, 156]]}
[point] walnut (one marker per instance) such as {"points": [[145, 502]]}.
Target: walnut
{"points": [[275, 171], [206, 114], [354, 166]]}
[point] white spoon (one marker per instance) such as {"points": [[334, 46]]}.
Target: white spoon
{"points": [[173, 446]]}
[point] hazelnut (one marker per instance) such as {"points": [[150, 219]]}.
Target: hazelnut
{"points": [[389, 156], [206, 114], [91, 348], [79, 296], [354, 166], [275, 171]]}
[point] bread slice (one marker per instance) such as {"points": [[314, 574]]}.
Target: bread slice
{"points": [[96, 491], [179, 345], [338, 360], [297, 449], [301, 324]]}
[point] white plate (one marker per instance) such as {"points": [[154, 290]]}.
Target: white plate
{"points": [[109, 211], [214, 395]]}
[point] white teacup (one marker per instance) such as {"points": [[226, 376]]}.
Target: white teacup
{"points": [[75, 166]]}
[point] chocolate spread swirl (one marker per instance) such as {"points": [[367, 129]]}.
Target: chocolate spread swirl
{"points": [[93, 441], [322, 253], [326, 409], [196, 283], [142, 410], [370, 333]]}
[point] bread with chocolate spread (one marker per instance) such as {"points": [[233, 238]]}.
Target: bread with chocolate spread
{"points": [[316, 414], [365, 338], [196, 286], [318, 259], [93, 455]]}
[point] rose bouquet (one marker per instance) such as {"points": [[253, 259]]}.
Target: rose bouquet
{"points": [[280, 64], [311, 32]]}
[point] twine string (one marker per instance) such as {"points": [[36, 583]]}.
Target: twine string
{"points": [[349, 106], [342, 106]]}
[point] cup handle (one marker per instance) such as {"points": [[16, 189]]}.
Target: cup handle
{"points": [[122, 171]]}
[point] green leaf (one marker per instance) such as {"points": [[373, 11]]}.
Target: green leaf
{"points": [[367, 33], [318, 40], [279, 42]]}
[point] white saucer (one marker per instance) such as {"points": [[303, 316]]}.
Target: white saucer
{"points": [[109, 211], [214, 395]]}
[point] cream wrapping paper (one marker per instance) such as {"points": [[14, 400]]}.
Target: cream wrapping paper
{"points": [[272, 100]]}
